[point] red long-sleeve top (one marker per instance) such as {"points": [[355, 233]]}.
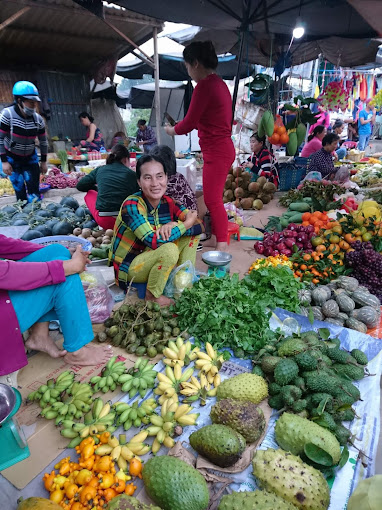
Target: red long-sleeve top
{"points": [[210, 112]]}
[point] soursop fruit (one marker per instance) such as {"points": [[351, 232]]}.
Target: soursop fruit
{"points": [[290, 478], [244, 387], [124, 502], [286, 370], [276, 402], [173, 484], [268, 363], [274, 389], [291, 347], [220, 444], [367, 495], [299, 406], [261, 500], [306, 361], [359, 356], [244, 417], [349, 371], [290, 394], [294, 433]]}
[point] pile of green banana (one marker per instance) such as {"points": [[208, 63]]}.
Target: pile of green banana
{"points": [[121, 451], [96, 420], [74, 404], [110, 374], [49, 393], [139, 379], [134, 415]]}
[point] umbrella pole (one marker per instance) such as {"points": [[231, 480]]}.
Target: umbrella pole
{"points": [[237, 77], [157, 89]]}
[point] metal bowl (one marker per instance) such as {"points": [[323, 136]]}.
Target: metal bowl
{"points": [[7, 401], [216, 258]]}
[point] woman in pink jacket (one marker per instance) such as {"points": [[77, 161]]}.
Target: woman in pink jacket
{"points": [[39, 284]]}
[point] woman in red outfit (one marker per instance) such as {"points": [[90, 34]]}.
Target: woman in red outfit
{"points": [[210, 112]]}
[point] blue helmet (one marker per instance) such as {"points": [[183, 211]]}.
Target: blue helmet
{"points": [[26, 89]]}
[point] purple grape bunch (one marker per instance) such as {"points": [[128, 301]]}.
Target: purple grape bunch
{"points": [[367, 266]]}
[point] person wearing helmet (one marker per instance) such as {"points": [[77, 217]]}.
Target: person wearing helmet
{"points": [[20, 124]]}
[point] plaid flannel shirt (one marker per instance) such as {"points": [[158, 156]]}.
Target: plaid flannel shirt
{"points": [[136, 226]]}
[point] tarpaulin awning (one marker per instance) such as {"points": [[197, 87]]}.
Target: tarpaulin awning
{"points": [[171, 67]]}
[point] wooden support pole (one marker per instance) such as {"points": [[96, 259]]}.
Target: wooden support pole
{"points": [[157, 89]]}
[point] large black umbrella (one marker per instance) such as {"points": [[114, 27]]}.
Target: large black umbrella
{"points": [[172, 68]]}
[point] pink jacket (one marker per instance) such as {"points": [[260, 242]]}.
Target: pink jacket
{"points": [[311, 147], [19, 276]]}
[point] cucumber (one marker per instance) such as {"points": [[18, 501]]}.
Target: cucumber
{"points": [[299, 206], [296, 218], [308, 200], [284, 222]]}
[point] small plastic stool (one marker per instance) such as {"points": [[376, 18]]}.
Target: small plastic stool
{"points": [[141, 289], [233, 229]]}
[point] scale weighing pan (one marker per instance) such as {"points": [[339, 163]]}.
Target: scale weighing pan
{"points": [[216, 258], [7, 401]]}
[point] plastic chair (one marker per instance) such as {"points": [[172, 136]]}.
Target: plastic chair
{"points": [[233, 229], [350, 145], [141, 289]]}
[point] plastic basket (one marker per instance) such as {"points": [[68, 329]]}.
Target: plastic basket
{"points": [[67, 241], [290, 176], [301, 162]]}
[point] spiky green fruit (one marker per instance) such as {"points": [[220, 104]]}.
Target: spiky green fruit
{"points": [[342, 434], [359, 356], [244, 417], [351, 371], [219, 444], [306, 361], [190, 490], [322, 383], [286, 370], [244, 387], [345, 415], [129, 503], [299, 382], [368, 494], [291, 347], [257, 370], [276, 402], [325, 420], [268, 363], [257, 500], [294, 433], [290, 394], [338, 355], [290, 478], [274, 389], [318, 398], [299, 405]]}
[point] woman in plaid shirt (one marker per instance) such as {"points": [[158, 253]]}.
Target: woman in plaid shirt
{"points": [[152, 233]]}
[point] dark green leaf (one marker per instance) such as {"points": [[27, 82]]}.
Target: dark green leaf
{"points": [[324, 333], [318, 455], [321, 407], [290, 107], [311, 316], [344, 457]]}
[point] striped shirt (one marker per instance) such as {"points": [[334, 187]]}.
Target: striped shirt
{"points": [[321, 161], [265, 165], [18, 134], [135, 230]]}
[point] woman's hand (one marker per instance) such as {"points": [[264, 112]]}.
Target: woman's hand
{"points": [[44, 167], [170, 130], [164, 231], [190, 219], [7, 168], [248, 164], [77, 263]]}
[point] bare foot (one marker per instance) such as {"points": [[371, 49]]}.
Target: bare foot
{"points": [[161, 300], [89, 355], [221, 247], [44, 344]]}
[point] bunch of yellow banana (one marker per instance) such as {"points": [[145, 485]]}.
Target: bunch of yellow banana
{"points": [[209, 362], [122, 452], [170, 382], [179, 353], [200, 388], [165, 425]]}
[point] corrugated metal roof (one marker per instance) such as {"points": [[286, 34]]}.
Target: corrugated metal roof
{"points": [[59, 34]]}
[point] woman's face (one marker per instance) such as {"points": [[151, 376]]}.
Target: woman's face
{"points": [[320, 136], [153, 180], [331, 147], [85, 121], [339, 129], [256, 146], [141, 127], [193, 70]]}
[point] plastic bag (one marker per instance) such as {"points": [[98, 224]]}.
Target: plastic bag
{"points": [[313, 176], [98, 296], [181, 277]]}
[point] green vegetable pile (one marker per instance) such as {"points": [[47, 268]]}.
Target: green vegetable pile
{"points": [[322, 194], [228, 312]]}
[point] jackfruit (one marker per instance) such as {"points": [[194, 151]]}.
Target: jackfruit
{"points": [[124, 502], [220, 444], [173, 484], [367, 495], [244, 417], [244, 387], [291, 479], [286, 370], [260, 500], [294, 433]]}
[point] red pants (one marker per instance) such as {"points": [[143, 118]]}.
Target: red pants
{"points": [[103, 221], [217, 163]]}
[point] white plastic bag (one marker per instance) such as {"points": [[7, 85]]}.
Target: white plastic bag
{"points": [[98, 296], [181, 277]]}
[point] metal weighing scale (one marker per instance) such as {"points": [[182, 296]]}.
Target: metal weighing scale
{"points": [[218, 262], [13, 445]]}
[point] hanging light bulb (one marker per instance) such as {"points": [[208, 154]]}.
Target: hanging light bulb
{"points": [[299, 29]]}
